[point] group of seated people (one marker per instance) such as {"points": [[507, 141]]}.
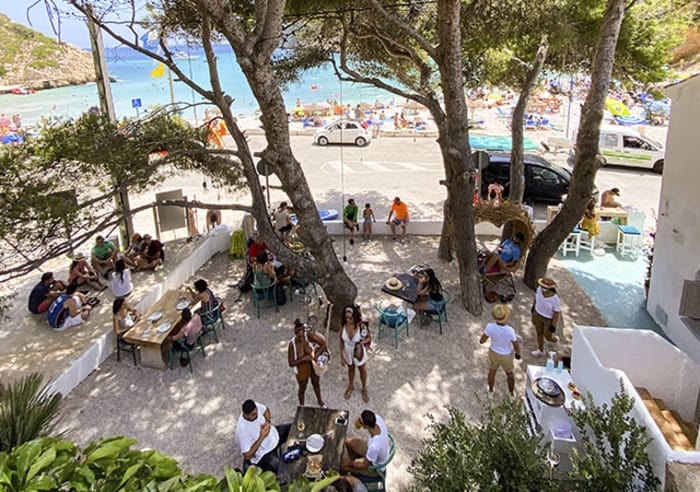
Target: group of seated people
{"points": [[265, 268]]}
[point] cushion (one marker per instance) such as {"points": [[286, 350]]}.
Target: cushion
{"points": [[628, 229]]}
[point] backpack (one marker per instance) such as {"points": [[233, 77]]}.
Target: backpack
{"points": [[58, 313]]}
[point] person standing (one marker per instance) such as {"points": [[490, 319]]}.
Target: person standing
{"points": [[300, 355], [258, 439], [283, 222], [367, 219], [545, 313], [399, 210], [350, 214], [354, 337], [504, 346]]}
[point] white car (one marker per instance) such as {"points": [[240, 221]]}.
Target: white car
{"points": [[343, 132]]}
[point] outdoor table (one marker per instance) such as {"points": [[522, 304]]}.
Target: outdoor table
{"points": [[332, 424], [153, 346], [409, 292], [605, 212]]}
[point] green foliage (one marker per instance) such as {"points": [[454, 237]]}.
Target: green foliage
{"points": [[27, 411], [15, 38], [614, 454], [498, 454], [110, 465]]}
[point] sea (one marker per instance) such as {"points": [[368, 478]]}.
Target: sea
{"points": [[134, 85]]}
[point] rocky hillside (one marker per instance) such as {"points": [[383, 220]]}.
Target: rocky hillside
{"points": [[31, 60]]}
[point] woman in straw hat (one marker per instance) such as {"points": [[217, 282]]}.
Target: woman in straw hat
{"points": [[504, 346], [354, 336], [301, 353], [80, 273], [545, 313]]}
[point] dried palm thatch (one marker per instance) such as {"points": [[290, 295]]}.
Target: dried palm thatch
{"points": [[511, 215]]}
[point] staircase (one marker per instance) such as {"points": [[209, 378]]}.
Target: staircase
{"points": [[680, 435]]}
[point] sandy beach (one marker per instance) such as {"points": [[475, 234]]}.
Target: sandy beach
{"points": [[192, 417]]}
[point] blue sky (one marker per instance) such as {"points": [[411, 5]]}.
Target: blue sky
{"points": [[73, 30]]}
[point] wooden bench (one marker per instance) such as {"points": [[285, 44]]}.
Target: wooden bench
{"points": [[666, 421]]}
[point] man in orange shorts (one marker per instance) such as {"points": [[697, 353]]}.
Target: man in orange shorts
{"points": [[399, 210]]}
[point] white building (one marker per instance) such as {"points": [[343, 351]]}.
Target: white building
{"points": [[674, 291]]}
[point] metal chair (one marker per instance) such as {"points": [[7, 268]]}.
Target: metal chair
{"points": [[439, 314], [185, 349], [210, 320], [264, 295], [378, 482], [391, 319], [123, 345]]}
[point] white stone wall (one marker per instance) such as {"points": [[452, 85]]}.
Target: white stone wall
{"points": [[677, 251]]}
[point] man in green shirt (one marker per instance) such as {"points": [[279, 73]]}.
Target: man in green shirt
{"points": [[104, 254], [350, 218]]}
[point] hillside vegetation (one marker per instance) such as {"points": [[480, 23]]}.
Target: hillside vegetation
{"points": [[31, 60]]}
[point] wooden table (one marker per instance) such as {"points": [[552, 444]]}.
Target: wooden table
{"points": [[605, 212], [153, 348], [409, 293], [330, 423]]}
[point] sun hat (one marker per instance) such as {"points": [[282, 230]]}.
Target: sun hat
{"points": [[393, 283], [501, 312], [79, 257], [547, 283]]}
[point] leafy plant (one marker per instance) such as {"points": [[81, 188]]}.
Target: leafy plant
{"points": [[614, 454], [499, 454], [110, 465], [27, 411]]}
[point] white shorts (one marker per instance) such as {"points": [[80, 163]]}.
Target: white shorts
{"points": [[70, 322]]}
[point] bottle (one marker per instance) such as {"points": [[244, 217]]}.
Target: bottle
{"points": [[549, 367], [560, 366]]}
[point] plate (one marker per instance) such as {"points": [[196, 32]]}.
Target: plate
{"points": [[146, 333], [155, 316], [314, 443], [163, 327], [548, 386], [182, 304]]}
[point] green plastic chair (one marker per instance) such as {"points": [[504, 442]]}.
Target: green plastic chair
{"points": [[391, 320], [210, 319], [186, 350], [439, 314], [264, 295], [378, 482]]}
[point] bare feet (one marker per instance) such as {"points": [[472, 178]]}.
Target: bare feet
{"points": [[348, 393], [365, 396]]}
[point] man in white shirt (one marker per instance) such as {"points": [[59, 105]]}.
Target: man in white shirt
{"points": [[258, 439], [362, 454], [504, 346]]}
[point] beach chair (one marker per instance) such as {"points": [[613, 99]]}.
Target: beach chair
{"points": [[391, 319]]}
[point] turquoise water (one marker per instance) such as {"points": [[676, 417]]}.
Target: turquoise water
{"points": [[133, 71]]}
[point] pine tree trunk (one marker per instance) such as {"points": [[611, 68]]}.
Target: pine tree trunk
{"points": [[517, 166], [587, 162]]}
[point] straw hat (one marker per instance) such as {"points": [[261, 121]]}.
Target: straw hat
{"points": [[393, 284], [547, 283], [79, 257], [501, 312]]}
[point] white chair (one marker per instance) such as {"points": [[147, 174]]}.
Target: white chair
{"points": [[587, 242], [572, 243], [629, 240]]}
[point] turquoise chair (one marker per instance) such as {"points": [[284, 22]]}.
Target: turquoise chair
{"points": [[211, 319], [264, 295], [439, 314], [390, 319], [378, 482], [185, 350]]}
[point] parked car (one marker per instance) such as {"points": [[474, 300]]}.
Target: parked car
{"points": [[544, 181], [623, 146], [343, 132]]}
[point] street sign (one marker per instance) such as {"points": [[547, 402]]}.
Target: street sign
{"points": [[136, 103]]}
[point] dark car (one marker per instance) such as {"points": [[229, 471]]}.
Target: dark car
{"points": [[544, 181]]}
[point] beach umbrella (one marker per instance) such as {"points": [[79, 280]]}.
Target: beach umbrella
{"points": [[659, 107], [494, 96], [616, 107], [413, 105]]}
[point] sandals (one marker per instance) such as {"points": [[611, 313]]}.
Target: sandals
{"points": [[365, 396], [348, 393]]}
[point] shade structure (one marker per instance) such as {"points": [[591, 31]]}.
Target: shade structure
{"points": [[616, 107]]}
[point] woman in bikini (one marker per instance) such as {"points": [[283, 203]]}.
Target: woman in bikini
{"points": [[302, 349], [354, 336]]}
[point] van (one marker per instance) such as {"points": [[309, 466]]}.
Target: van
{"points": [[624, 146], [544, 181]]}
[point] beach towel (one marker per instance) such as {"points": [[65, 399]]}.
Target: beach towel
{"points": [[237, 249]]}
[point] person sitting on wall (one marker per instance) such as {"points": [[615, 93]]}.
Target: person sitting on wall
{"points": [[152, 255], [43, 293], [607, 199]]}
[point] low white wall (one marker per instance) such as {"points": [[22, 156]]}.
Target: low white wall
{"points": [[590, 374], [418, 227], [104, 345]]}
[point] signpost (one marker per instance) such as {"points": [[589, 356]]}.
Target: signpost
{"points": [[136, 103]]}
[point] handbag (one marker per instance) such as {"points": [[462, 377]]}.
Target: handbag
{"points": [[322, 361]]}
